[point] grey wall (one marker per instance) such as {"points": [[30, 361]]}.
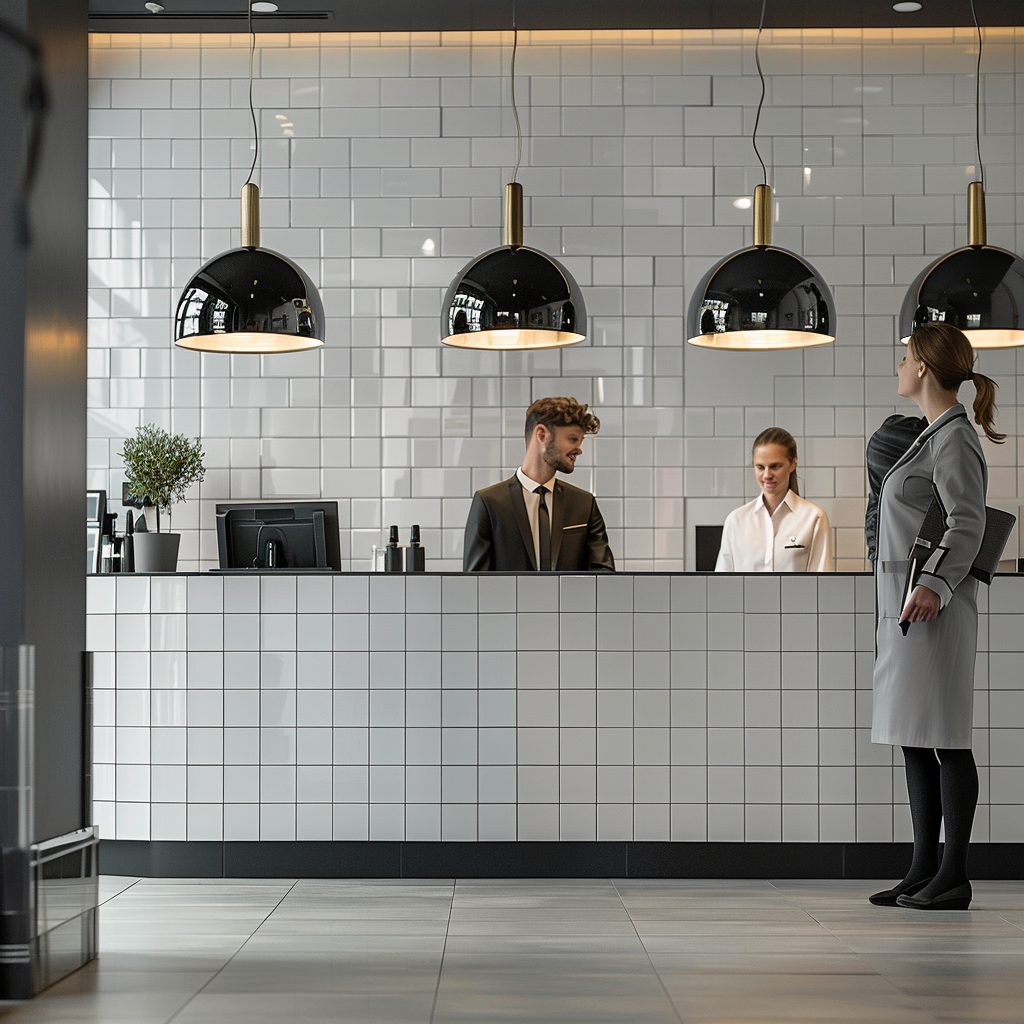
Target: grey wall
{"points": [[42, 377]]}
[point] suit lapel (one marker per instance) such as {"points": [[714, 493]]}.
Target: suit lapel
{"points": [[915, 448], [515, 493], [557, 521]]}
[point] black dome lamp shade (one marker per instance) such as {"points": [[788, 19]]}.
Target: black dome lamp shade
{"points": [[513, 297], [250, 299], [978, 288], [762, 297]]}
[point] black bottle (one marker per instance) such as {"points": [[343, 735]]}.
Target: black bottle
{"points": [[128, 544], [415, 553], [393, 553]]}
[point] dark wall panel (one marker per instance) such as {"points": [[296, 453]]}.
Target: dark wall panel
{"points": [[42, 394], [55, 417]]}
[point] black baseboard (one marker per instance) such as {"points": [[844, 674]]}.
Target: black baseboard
{"points": [[532, 860]]}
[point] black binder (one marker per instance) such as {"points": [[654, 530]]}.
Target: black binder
{"points": [[998, 525]]}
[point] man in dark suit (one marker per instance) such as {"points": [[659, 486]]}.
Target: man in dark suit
{"points": [[533, 521], [886, 447]]}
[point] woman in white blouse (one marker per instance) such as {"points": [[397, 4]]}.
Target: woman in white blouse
{"points": [[778, 531]]}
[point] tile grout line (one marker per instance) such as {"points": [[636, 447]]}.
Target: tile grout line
{"points": [[860, 957], [657, 973], [219, 970], [440, 966]]}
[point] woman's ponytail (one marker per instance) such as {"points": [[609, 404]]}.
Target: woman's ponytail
{"points": [[946, 351], [985, 406]]}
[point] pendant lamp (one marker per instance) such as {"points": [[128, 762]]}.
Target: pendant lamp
{"points": [[250, 299], [513, 297], [979, 288], [761, 297]]}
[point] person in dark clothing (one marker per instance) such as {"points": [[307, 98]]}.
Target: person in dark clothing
{"points": [[885, 447]]}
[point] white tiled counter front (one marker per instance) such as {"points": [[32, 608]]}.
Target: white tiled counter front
{"points": [[450, 707]]}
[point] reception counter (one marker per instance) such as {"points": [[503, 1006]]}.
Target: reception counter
{"points": [[543, 724]]}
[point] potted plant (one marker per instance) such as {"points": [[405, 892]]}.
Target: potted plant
{"points": [[159, 467]]}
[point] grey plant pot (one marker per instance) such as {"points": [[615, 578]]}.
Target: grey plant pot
{"points": [[156, 552]]}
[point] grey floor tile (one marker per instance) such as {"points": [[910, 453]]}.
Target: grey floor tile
{"points": [[693, 884], [793, 1007], [326, 976], [899, 921], [973, 1009], [559, 925], [271, 1008], [789, 945], [947, 966], [744, 927], [759, 963], [551, 1008], [54, 1007], [639, 905], [97, 977], [320, 926], [548, 944], [270, 944], [663, 951], [111, 885], [546, 961]]}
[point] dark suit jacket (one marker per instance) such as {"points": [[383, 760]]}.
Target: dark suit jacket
{"points": [[499, 539], [886, 447]]}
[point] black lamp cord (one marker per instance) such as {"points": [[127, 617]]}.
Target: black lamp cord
{"points": [[977, 100], [760, 102], [512, 78], [252, 109], [36, 103]]}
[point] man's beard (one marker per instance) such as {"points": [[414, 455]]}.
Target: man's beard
{"points": [[553, 457]]}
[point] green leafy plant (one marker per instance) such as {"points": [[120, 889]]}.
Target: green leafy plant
{"points": [[159, 467]]}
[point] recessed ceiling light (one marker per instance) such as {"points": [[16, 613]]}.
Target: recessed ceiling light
{"points": [[264, 7], [904, 7], [154, 8]]}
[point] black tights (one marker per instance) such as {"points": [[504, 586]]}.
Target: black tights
{"points": [[943, 787]]}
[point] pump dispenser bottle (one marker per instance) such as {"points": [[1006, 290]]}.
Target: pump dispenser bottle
{"points": [[393, 553], [415, 553]]}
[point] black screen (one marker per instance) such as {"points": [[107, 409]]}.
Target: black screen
{"points": [[279, 535], [709, 540]]}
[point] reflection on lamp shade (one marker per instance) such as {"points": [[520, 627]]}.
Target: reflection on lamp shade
{"points": [[978, 288], [762, 297], [249, 300], [513, 297]]}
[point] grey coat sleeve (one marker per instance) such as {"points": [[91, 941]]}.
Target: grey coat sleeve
{"points": [[960, 478], [478, 547]]}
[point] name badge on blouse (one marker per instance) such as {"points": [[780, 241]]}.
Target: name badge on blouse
{"points": [[793, 544]]}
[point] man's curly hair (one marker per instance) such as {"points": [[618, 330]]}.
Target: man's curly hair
{"points": [[560, 412]]}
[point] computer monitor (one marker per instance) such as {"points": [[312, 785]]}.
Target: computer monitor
{"points": [[279, 535], [709, 541]]}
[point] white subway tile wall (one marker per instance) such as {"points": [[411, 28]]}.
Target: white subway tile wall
{"points": [[504, 708], [381, 165]]}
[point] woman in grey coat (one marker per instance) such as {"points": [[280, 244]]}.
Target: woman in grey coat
{"points": [[924, 681]]}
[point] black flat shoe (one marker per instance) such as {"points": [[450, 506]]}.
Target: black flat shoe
{"points": [[888, 897], [953, 899]]}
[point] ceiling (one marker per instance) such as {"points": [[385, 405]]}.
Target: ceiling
{"points": [[484, 15]]}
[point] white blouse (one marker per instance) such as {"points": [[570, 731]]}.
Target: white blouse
{"points": [[796, 538]]}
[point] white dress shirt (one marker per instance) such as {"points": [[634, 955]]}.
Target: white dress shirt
{"points": [[533, 506], [796, 538]]}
